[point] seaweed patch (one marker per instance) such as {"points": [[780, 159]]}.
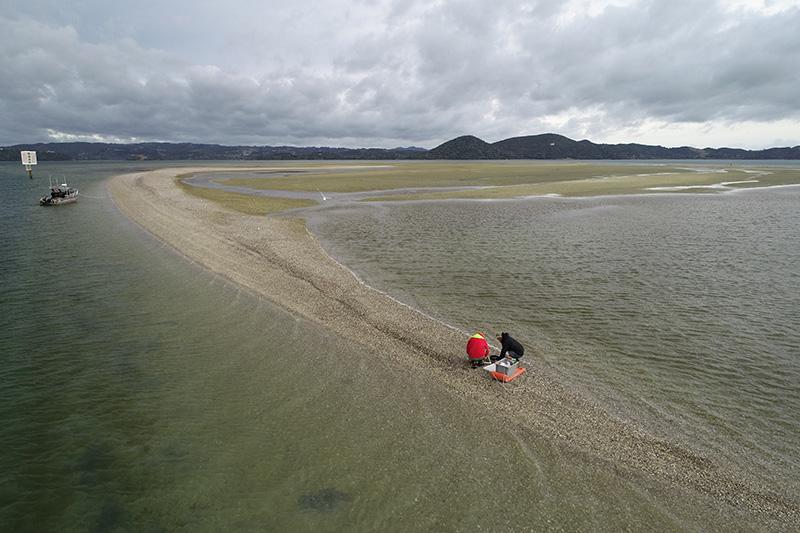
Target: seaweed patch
{"points": [[327, 499]]}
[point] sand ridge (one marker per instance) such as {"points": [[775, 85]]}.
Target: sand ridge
{"points": [[278, 259]]}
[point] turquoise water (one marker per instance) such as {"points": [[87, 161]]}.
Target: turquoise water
{"points": [[679, 312], [141, 393]]}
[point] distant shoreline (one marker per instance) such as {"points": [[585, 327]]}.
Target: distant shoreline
{"points": [[278, 258], [546, 147]]}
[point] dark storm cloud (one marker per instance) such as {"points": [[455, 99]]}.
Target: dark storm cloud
{"points": [[388, 73]]}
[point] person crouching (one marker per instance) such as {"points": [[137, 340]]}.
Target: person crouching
{"points": [[511, 347], [477, 349]]}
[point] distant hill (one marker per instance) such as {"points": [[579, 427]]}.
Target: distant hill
{"points": [[466, 147], [548, 146], [552, 146], [545, 146]]}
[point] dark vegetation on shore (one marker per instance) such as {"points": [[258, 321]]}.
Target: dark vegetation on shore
{"points": [[545, 146]]}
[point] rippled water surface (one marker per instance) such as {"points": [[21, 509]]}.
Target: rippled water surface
{"points": [[680, 311]]}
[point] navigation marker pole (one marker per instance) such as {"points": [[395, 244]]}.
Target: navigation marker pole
{"points": [[28, 159]]}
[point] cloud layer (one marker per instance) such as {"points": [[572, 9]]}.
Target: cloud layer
{"points": [[387, 73]]}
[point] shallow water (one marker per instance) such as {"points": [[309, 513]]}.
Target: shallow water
{"points": [[139, 392], [679, 312]]}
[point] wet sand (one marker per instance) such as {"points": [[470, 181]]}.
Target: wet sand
{"points": [[279, 259]]}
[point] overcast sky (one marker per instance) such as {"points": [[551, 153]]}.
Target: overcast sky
{"points": [[400, 72]]}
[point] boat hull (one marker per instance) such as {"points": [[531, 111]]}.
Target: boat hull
{"points": [[58, 201]]}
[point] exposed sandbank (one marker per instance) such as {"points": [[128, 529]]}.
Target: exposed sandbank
{"points": [[278, 259], [440, 180]]}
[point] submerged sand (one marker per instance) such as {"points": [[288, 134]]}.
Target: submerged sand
{"points": [[280, 260]]}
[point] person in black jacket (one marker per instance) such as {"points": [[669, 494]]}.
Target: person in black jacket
{"points": [[511, 347]]}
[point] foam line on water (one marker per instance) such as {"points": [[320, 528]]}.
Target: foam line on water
{"points": [[720, 185], [740, 181], [383, 293], [743, 189]]}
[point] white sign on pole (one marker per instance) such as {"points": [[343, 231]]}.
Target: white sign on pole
{"points": [[28, 158]]}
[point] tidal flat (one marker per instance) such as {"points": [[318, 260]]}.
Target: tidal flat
{"points": [[244, 203], [398, 181]]}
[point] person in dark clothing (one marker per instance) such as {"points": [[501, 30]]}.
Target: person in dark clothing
{"points": [[511, 347]]}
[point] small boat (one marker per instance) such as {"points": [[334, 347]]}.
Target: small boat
{"points": [[60, 194]]}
